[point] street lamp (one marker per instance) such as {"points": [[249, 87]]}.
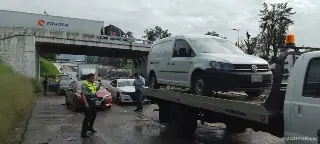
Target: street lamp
{"points": [[238, 34]]}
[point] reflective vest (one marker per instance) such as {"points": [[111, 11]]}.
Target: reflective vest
{"points": [[91, 87]]}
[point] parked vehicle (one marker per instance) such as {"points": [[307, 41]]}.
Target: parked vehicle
{"points": [[206, 63], [63, 76], [63, 85], [85, 69], [123, 91], [291, 112], [53, 85], [73, 97]]}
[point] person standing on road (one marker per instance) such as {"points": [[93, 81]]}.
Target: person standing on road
{"points": [[138, 84], [45, 85], [89, 98]]}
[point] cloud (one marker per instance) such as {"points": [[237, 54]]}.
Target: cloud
{"points": [[179, 16]]}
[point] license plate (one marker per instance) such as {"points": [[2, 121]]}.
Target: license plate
{"points": [[98, 102], [256, 78]]}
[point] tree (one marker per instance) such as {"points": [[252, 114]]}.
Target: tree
{"points": [[213, 33], [274, 22], [249, 45], [91, 59], [129, 34], [156, 33], [49, 56]]}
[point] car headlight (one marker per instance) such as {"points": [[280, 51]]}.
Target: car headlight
{"points": [[221, 66]]}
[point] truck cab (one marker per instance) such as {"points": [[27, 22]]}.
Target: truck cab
{"points": [[302, 100]]}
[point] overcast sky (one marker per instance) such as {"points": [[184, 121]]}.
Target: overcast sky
{"points": [[179, 16]]}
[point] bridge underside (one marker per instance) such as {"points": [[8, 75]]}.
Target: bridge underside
{"points": [[89, 50]]}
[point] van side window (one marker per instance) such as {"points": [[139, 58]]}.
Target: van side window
{"points": [[114, 83], [181, 44], [311, 86]]}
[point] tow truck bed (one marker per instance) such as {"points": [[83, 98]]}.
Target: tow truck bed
{"points": [[232, 104]]}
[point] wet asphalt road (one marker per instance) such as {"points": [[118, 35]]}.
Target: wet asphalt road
{"points": [[52, 123]]}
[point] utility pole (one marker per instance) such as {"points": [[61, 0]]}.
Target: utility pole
{"points": [[238, 35]]}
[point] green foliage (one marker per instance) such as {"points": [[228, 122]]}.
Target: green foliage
{"points": [[156, 33], [47, 69], [91, 59], [129, 34], [275, 20], [213, 33], [249, 45], [36, 85], [49, 56], [17, 94]]}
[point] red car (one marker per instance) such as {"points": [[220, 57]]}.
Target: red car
{"points": [[73, 97]]}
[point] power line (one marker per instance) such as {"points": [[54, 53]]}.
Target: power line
{"points": [[258, 14]]}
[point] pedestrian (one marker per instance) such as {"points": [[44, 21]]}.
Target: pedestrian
{"points": [[45, 85], [89, 98], [138, 84]]}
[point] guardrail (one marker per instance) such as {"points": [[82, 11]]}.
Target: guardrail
{"points": [[6, 32]]}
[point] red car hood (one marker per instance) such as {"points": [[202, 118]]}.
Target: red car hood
{"points": [[102, 93]]}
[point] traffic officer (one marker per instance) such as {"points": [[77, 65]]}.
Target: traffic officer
{"points": [[89, 97], [138, 84]]}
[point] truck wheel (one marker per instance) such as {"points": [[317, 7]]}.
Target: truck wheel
{"points": [[182, 121], [235, 127], [254, 93], [201, 86], [153, 81], [164, 112]]}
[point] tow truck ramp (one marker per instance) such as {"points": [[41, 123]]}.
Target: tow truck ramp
{"points": [[233, 105]]}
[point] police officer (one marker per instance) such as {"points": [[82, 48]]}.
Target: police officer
{"points": [[89, 97], [45, 85]]}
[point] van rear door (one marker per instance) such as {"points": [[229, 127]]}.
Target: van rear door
{"points": [[305, 105], [164, 57]]}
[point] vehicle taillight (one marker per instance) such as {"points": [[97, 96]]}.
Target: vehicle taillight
{"points": [[262, 118]]}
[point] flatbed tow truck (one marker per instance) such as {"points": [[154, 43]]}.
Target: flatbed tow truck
{"points": [[291, 110]]}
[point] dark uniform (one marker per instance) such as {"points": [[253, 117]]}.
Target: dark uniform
{"points": [[45, 86], [89, 90]]}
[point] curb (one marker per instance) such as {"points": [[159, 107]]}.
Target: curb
{"points": [[20, 128]]}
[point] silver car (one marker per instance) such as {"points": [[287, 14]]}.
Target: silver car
{"points": [[63, 85]]}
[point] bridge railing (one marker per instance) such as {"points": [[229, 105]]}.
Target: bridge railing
{"points": [[44, 32]]}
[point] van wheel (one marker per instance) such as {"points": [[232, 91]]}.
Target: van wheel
{"points": [[200, 86], [254, 93], [153, 81]]}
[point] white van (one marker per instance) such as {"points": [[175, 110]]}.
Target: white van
{"points": [[205, 64]]}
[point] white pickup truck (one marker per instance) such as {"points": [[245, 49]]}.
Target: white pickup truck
{"points": [[291, 112]]}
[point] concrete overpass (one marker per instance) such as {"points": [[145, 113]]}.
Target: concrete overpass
{"points": [[20, 47]]}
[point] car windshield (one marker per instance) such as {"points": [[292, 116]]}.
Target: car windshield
{"points": [[125, 83], [213, 45]]}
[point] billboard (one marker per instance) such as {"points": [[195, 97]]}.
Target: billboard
{"points": [[20, 19]]}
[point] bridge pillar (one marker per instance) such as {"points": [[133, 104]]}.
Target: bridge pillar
{"points": [[20, 53]]}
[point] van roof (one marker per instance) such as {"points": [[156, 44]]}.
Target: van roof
{"points": [[187, 36]]}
